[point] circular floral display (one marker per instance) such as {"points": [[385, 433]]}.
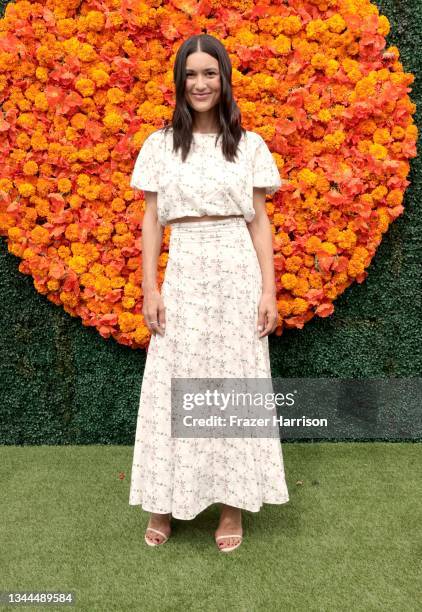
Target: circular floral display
{"points": [[83, 84]]}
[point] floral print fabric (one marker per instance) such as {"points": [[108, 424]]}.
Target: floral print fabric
{"points": [[206, 183], [211, 291]]}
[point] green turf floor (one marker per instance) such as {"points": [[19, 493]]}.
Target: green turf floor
{"points": [[348, 539]]}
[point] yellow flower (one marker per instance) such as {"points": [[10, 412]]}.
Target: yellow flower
{"points": [[72, 231], [86, 155], [301, 288], [26, 120], [331, 67], [307, 176], [313, 244], [63, 252], [99, 76], [141, 334], [95, 21], [78, 264], [40, 235], [66, 27], [379, 193], [26, 189], [131, 290], [329, 247], [355, 267], [68, 298], [85, 86], [395, 197], [293, 263], [39, 142], [382, 136], [288, 280], [346, 239], [41, 102], [299, 306], [127, 322], [115, 95], [384, 220], [336, 23], [113, 121], [284, 307], [128, 302], [383, 25], [282, 45], [64, 185], [121, 228], [53, 284], [332, 234], [315, 29], [319, 61], [14, 233], [30, 168], [378, 151], [117, 282], [83, 180], [324, 115], [86, 53]]}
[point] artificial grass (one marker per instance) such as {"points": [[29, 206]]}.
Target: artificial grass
{"points": [[348, 539]]}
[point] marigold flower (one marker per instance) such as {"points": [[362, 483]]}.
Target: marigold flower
{"points": [[85, 86], [40, 235], [64, 185], [299, 306], [289, 280], [26, 189], [30, 168]]}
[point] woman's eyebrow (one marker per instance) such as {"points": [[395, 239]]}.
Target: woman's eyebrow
{"points": [[205, 70]]}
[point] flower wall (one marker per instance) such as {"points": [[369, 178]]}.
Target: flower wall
{"points": [[83, 83]]}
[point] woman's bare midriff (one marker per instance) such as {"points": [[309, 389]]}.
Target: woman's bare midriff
{"points": [[203, 218]]}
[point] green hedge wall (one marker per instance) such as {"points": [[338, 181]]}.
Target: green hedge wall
{"points": [[61, 383]]}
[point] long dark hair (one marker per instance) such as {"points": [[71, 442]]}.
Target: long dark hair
{"points": [[229, 116]]}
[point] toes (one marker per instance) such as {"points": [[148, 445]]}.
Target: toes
{"points": [[154, 539], [228, 543]]}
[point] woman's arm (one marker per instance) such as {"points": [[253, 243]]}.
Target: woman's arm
{"points": [[262, 238], [152, 237]]}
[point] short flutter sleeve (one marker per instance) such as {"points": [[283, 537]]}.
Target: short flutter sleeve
{"points": [[265, 171], [146, 170]]}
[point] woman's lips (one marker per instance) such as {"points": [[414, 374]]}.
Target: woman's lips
{"points": [[201, 97]]}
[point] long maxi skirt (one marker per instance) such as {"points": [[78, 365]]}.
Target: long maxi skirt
{"points": [[211, 291]]}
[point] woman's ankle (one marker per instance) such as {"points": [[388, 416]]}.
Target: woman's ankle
{"points": [[230, 511], [159, 517]]}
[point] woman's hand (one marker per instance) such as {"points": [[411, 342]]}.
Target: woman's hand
{"points": [[267, 314], [154, 311]]}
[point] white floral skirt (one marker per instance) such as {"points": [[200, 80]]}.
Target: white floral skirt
{"points": [[211, 292]]}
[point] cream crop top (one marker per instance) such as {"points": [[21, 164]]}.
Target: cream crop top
{"points": [[206, 183]]}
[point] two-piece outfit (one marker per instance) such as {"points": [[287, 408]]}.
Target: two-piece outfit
{"points": [[211, 292]]}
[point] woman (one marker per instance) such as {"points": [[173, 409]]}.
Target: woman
{"points": [[217, 303]]}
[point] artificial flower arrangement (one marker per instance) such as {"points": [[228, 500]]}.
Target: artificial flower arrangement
{"points": [[83, 83]]}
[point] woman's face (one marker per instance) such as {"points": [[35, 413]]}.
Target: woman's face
{"points": [[202, 77]]}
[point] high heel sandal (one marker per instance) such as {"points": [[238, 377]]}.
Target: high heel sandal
{"points": [[156, 543], [159, 533], [229, 548]]}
